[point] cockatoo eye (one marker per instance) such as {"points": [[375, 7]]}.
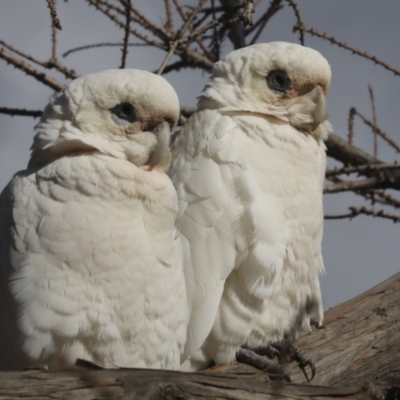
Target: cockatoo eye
{"points": [[278, 81], [123, 114]]}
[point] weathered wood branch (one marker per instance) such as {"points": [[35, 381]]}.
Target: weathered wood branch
{"points": [[360, 341], [357, 355]]}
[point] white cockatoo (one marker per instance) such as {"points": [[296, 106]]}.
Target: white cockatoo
{"points": [[89, 267], [249, 167]]}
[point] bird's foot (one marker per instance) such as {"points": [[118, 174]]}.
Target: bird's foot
{"points": [[287, 353], [262, 362]]}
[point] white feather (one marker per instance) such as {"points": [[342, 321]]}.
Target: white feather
{"points": [[89, 265], [248, 167]]}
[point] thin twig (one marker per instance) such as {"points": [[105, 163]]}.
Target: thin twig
{"points": [[215, 41], [299, 21], [356, 211], [273, 8], [382, 134], [379, 196], [169, 25], [69, 73], [182, 30], [134, 32], [350, 124], [147, 24], [21, 112], [325, 36], [55, 21], [112, 7], [387, 199], [241, 17], [180, 10], [94, 45], [176, 66], [126, 37], [374, 123], [53, 30], [29, 70], [346, 186], [367, 168]]}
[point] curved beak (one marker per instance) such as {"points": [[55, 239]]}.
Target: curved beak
{"points": [[320, 113], [162, 133]]}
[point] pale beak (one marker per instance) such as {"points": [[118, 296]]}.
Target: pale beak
{"points": [[320, 113], [162, 133]]}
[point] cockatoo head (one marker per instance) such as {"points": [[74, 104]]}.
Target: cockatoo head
{"points": [[282, 80], [127, 114]]}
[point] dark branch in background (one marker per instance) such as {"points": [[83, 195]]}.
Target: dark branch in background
{"points": [[299, 21], [374, 123], [21, 112], [273, 8], [95, 45], [169, 24], [356, 211], [348, 154], [360, 169], [216, 40], [176, 43], [379, 196], [100, 7], [29, 70], [345, 186], [382, 134], [236, 30], [323, 35], [350, 125], [126, 37], [54, 26], [342, 151], [245, 16], [55, 21], [68, 73]]}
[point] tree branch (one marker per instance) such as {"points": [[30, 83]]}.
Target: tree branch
{"points": [[21, 112], [325, 36], [29, 70]]}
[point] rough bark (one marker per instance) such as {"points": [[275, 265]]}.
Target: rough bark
{"points": [[357, 355]]}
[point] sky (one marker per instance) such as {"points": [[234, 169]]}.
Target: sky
{"points": [[358, 254]]}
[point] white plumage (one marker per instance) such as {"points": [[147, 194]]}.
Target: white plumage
{"points": [[249, 167], [89, 267]]}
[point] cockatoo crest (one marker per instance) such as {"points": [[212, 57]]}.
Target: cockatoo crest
{"points": [[282, 80], [126, 114]]}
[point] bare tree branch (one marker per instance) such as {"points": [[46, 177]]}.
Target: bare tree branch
{"points": [[345, 186], [367, 168], [21, 112], [350, 124], [374, 123], [55, 21], [173, 45], [29, 70], [273, 8], [52, 63], [95, 45], [356, 211], [126, 37], [382, 134], [295, 7], [325, 36], [169, 25]]}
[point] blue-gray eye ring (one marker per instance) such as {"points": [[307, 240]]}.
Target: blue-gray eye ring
{"points": [[123, 114], [278, 81]]}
